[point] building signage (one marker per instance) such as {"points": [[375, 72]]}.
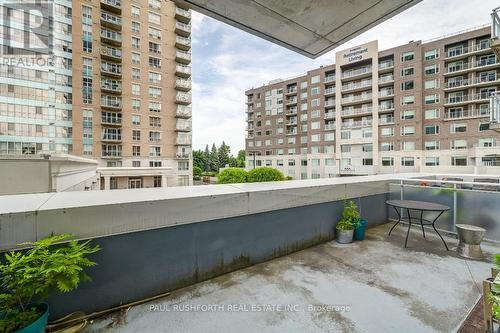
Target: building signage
{"points": [[357, 53]]}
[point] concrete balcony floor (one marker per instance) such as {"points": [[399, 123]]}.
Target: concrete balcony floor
{"points": [[388, 288]]}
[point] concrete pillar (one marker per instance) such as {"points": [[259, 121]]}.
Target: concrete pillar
{"points": [[164, 182], [107, 182]]}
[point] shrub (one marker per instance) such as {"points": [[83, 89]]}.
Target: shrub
{"points": [[350, 216], [197, 171], [27, 277], [232, 175], [264, 174]]}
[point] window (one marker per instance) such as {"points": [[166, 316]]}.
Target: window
{"points": [[136, 150], [155, 164], [136, 104], [154, 151], [315, 79], [431, 69], [407, 71], [431, 54], [459, 161], [387, 161], [154, 106], [136, 74], [136, 58], [154, 62], [408, 145], [432, 161], [408, 100], [315, 90], [315, 102], [135, 11], [136, 43], [431, 84], [387, 131], [329, 162], [407, 56], [458, 128], [303, 85], [154, 48], [407, 130], [431, 114], [136, 135], [154, 92], [154, 4], [458, 144], [386, 146], [136, 89], [154, 33], [315, 137], [431, 145], [136, 164], [156, 181], [291, 162], [154, 136], [432, 99], [154, 18], [155, 121], [329, 136], [154, 77], [408, 114], [183, 166], [432, 129], [484, 127], [136, 119], [315, 125], [407, 161], [407, 85], [136, 27]]}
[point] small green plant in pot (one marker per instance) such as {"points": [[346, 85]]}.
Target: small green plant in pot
{"points": [[28, 277], [348, 222]]}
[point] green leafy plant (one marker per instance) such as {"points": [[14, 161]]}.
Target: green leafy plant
{"points": [[494, 296], [350, 216], [232, 176], [264, 174], [28, 277]]}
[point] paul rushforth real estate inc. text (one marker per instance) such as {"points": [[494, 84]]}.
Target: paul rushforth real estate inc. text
{"points": [[241, 307]]}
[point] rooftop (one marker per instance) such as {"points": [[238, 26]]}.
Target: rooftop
{"points": [[384, 286]]}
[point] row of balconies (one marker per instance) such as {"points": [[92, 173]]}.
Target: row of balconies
{"points": [[465, 66], [466, 114], [471, 82], [467, 50], [460, 99]]}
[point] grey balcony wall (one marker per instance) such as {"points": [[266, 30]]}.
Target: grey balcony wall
{"points": [[137, 265]]}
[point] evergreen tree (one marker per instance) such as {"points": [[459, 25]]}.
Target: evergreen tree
{"points": [[199, 159], [241, 158], [213, 159], [206, 167], [223, 153]]}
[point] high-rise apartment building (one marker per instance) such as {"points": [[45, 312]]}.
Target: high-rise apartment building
{"points": [[415, 107], [121, 93]]}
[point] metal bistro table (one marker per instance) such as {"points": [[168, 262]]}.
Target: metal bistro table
{"points": [[420, 206]]}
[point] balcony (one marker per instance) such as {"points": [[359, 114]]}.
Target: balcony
{"points": [[183, 57], [357, 111], [182, 15], [329, 91], [495, 31], [183, 155], [111, 102], [111, 20], [292, 131], [111, 53], [385, 66], [330, 115], [183, 126], [470, 66], [111, 86], [182, 70], [291, 122], [183, 98], [357, 99], [111, 69], [111, 37], [329, 104], [291, 101], [329, 78], [109, 120], [356, 86], [386, 93], [386, 269], [183, 29], [183, 111], [291, 111], [358, 72], [357, 123], [465, 99], [386, 107], [386, 80], [183, 141], [291, 91], [329, 126], [183, 43], [114, 6], [465, 114], [386, 121], [111, 137], [182, 84], [112, 153]]}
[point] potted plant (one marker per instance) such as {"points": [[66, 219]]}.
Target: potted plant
{"points": [[28, 277], [349, 221]]}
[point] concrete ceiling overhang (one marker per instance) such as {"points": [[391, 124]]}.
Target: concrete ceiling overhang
{"points": [[309, 27]]}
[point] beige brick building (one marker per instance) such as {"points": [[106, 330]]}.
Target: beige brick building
{"points": [[119, 92], [415, 107]]}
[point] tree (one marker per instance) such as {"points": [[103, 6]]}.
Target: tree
{"points": [[207, 159], [264, 174], [241, 158], [197, 171], [199, 159], [232, 176], [223, 153], [213, 159]]}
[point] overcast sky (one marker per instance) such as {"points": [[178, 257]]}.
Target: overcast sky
{"points": [[228, 61]]}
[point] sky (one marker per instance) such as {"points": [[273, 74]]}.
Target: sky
{"points": [[228, 61]]}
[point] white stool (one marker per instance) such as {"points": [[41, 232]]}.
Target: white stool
{"points": [[469, 241]]}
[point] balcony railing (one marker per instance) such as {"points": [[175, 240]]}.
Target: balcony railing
{"points": [[356, 111], [111, 52], [386, 107], [182, 70], [291, 101], [356, 85], [183, 140], [386, 121], [111, 19], [291, 111], [111, 136], [113, 69], [329, 78], [111, 36], [183, 56], [111, 101], [356, 98], [111, 85], [292, 132], [112, 153], [471, 65], [182, 14], [468, 98], [183, 29], [329, 126], [183, 98], [458, 51], [183, 42], [386, 65], [386, 93], [357, 123], [356, 72], [183, 84], [183, 111], [329, 103], [330, 90], [464, 114], [292, 90], [110, 120], [330, 115], [471, 82], [386, 79], [183, 126], [114, 5]]}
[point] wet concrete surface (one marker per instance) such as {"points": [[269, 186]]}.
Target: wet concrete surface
{"points": [[371, 286]]}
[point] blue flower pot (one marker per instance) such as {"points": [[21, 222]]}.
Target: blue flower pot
{"points": [[39, 325], [359, 232]]}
